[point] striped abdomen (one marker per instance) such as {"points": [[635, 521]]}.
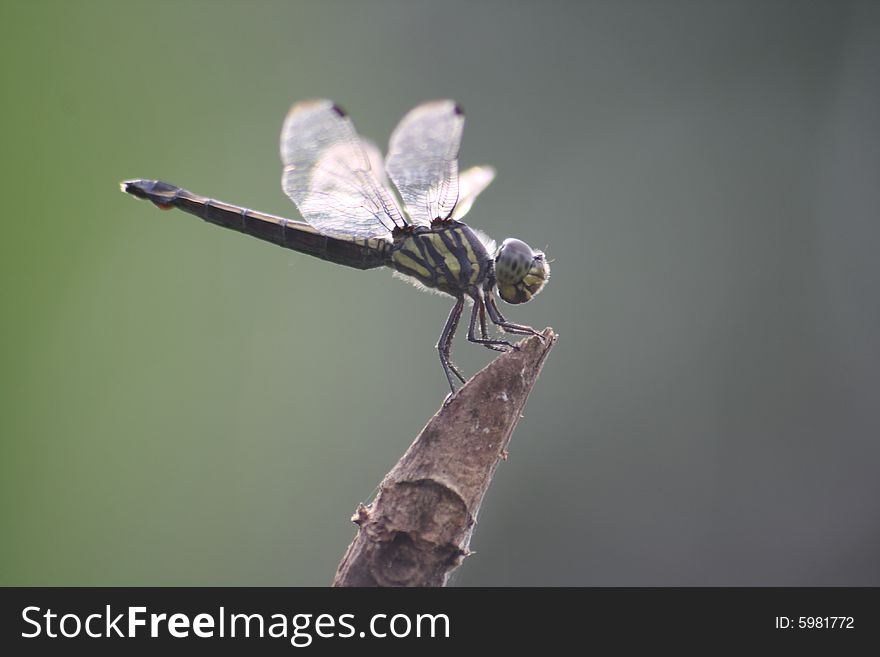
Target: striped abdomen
{"points": [[448, 257]]}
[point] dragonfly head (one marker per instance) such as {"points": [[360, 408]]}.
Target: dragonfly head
{"points": [[520, 272]]}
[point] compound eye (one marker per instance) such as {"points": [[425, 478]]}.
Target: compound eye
{"points": [[520, 272], [513, 261]]}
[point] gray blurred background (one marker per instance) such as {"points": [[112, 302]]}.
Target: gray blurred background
{"points": [[185, 405]]}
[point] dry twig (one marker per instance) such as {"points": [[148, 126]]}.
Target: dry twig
{"points": [[418, 528]]}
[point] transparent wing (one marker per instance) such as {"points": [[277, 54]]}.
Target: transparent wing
{"points": [[377, 162], [328, 175], [423, 160], [470, 184]]}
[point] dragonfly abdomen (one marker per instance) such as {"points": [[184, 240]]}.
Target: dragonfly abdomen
{"points": [[447, 257], [358, 252]]}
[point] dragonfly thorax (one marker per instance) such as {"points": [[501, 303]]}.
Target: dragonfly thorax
{"points": [[447, 256]]}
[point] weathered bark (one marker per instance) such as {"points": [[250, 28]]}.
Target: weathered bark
{"points": [[418, 528]]}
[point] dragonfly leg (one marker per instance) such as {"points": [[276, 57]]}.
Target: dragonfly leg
{"points": [[498, 319], [479, 310], [444, 345]]}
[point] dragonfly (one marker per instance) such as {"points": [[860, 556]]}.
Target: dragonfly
{"points": [[339, 182]]}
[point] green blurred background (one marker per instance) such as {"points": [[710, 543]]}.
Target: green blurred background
{"points": [[185, 405]]}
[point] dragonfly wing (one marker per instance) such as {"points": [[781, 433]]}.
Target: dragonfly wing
{"points": [[328, 174], [377, 162], [422, 160], [470, 184]]}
